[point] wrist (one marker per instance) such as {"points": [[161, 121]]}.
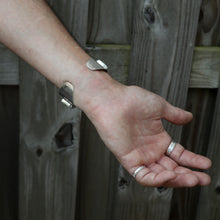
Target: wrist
{"points": [[89, 87], [92, 89]]}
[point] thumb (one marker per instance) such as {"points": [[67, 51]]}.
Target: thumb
{"points": [[176, 115]]}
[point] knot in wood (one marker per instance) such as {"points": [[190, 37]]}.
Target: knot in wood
{"points": [[123, 183], [39, 152], [217, 190], [161, 189], [149, 14], [64, 137]]}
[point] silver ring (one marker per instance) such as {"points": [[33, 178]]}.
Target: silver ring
{"points": [[137, 171], [171, 147]]}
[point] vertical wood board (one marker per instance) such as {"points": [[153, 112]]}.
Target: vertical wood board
{"points": [[48, 170], [97, 167], [110, 21], [9, 133], [8, 67], [49, 135], [209, 198], [201, 102], [162, 50], [208, 30], [195, 137]]}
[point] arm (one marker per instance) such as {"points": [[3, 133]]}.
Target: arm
{"points": [[128, 119]]}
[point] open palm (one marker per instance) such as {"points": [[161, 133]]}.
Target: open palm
{"points": [[129, 122]]}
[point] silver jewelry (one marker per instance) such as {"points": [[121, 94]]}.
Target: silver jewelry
{"points": [[66, 91], [96, 65], [137, 171], [171, 147]]}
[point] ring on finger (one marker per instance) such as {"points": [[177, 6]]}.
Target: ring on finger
{"points": [[171, 147], [137, 171]]}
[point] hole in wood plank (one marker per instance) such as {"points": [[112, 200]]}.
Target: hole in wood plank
{"points": [[64, 137], [123, 183], [149, 15], [39, 152], [201, 15], [217, 190], [161, 189]]}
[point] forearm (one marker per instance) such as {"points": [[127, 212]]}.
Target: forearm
{"points": [[31, 30]]}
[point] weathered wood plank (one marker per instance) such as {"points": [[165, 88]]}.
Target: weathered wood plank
{"points": [[8, 67], [163, 56], [206, 68], [48, 162], [162, 50], [74, 15], [49, 135], [9, 136], [110, 21], [117, 58], [201, 102], [209, 198], [195, 137], [98, 168], [209, 35], [209, 23]]}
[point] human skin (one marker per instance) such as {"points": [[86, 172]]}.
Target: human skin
{"points": [[127, 118]]}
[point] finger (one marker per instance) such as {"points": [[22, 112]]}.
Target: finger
{"points": [[168, 163], [204, 179], [188, 158], [183, 179], [147, 177], [180, 181], [156, 168], [176, 115]]}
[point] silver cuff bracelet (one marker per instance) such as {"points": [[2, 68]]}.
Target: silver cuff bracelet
{"points": [[66, 91]]}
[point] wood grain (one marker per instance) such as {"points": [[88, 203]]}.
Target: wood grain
{"points": [[48, 173], [98, 169], [74, 15], [49, 135], [195, 137], [110, 22], [9, 136], [206, 68], [209, 34], [209, 198], [161, 60], [8, 67], [201, 102], [208, 30]]}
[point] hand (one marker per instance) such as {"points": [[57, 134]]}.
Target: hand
{"points": [[128, 119]]}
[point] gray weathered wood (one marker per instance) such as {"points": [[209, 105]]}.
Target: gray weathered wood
{"points": [[195, 137], [209, 35], [110, 21], [116, 57], [206, 68], [201, 103], [8, 67], [209, 23], [209, 198], [74, 15], [48, 156], [9, 136], [98, 168], [48, 172], [162, 50]]}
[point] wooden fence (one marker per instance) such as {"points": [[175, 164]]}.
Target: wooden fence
{"points": [[54, 155]]}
